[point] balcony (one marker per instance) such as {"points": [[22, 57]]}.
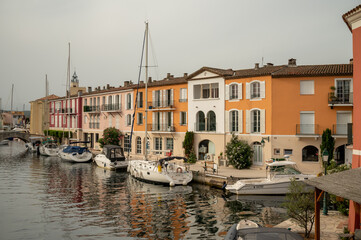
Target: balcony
{"points": [[202, 127], [161, 104], [92, 109], [111, 107], [340, 99], [307, 129], [68, 110], [339, 129], [161, 127]]}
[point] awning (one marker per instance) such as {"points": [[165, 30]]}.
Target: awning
{"points": [[346, 184]]}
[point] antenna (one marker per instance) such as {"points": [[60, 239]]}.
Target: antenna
{"points": [[262, 61]]}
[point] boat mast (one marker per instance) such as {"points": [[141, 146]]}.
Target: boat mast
{"points": [[11, 111], [68, 94], [146, 92], [46, 108]]}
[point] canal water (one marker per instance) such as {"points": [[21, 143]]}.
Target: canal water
{"points": [[46, 198]]}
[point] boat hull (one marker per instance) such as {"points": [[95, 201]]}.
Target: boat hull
{"points": [[102, 161], [51, 152], [149, 171], [75, 157]]}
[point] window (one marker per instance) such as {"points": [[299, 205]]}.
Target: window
{"points": [[127, 145], [168, 97], [157, 144], [211, 121], [140, 100], [52, 120], [129, 119], [140, 119], [110, 102], [85, 102], [183, 118], [276, 151], [157, 98], [85, 119], [343, 90], [255, 90], [234, 121], [287, 151], [183, 95], [307, 123], [129, 101], [96, 137], [310, 154], [307, 87], [233, 91], [139, 145], [255, 121], [201, 121], [342, 119], [169, 144], [206, 91]]}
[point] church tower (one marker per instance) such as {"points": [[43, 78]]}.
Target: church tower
{"points": [[74, 85]]}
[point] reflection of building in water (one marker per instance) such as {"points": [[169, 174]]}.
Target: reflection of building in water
{"points": [[156, 211]]}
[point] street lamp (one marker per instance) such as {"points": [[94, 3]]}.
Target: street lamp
{"points": [[325, 161]]}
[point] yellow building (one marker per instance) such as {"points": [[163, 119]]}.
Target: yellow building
{"points": [[39, 115]]}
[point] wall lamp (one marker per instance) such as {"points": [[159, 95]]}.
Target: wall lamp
{"points": [[263, 140]]}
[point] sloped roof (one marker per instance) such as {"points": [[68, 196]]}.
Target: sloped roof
{"points": [[315, 70], [262, 71], [344, 184], [218, 71], [52, 96], [349, 13]]}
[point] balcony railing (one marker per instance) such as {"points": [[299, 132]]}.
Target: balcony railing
{"points": [[183, 100], [202, 127], [340, 98], [111, 107], [161, 127], [339, 129], [161, 104], [307, 129], [91, 108], [67, 110]]}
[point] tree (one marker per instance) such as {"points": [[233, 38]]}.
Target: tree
{"points": [[188, 143], [300, 205], [111, 136], [328, 142], [239, 153]]}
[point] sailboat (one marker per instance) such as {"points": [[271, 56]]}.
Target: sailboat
{"points": [[161, 171], [71, 152]]}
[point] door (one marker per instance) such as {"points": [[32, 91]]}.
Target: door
{"points": [[343, 90], [257, 154], [342, 119], [307, 125]]}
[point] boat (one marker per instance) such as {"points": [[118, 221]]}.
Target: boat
{"points": [[162, 171], [33, 143], [4, 142], [75, 153], [49, 148], [111, 158], [277, 182], [247, 229]]}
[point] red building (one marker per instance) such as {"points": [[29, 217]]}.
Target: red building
{"points": [[353, 21]]}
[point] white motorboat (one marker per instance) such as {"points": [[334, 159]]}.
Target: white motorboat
{"points": [[49, 148], [111, 158], [75, 153], [277, 182], [162, 171], [33, 143]]}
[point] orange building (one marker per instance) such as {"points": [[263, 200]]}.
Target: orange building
{"points": [[283, 110]]}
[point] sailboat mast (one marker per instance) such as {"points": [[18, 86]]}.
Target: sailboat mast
{"points": [[46, 108], [11, 111], [146, 93], [68, 100]]}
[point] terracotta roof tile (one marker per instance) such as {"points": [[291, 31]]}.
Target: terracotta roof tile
{"points": [[315, 70], [349, 13], [262, 71], [50, 97], [218, 71]]}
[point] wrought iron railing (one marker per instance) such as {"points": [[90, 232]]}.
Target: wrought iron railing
{"points": [[161, 127], [91, 108], [307, 129], [161, 104], [339, 129], [340, 98], [111, 107]]}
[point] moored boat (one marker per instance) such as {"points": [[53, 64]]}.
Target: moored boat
{"points": [[49, 148], [162, 171], [75, 153], [111, 158], [33, 143], [277, 182]]}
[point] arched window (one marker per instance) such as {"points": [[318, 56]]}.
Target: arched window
{"points": [[310, 154], [211, 121], [201, 121], [139, 145], [233, 91], [255, 121], [255, 90], [233, 117]]}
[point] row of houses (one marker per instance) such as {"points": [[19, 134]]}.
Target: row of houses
{"points": [[278, 110]]}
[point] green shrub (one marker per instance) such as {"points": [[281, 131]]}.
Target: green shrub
{"points": [[239, 153], [111, 136], [188, 144]]}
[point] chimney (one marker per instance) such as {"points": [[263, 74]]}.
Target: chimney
{"points": [[103, 87], [269, 64], [351, 61], [108, 86], [126, 83], [185, 75], [168, 75], [292, 62], [141, 82], [149, 79], [256, 66], [89, 89]]}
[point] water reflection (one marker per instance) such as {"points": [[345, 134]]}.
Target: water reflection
{"points": [[44, 197]]}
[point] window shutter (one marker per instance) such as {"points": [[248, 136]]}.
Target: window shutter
{"points": [[248, 121], [227, 129], [240, 121], [240, 91], [162, 123], [171, 120], [248, 91], [263, 89], [153, 120], [263, 121], [153, 98], [120, 101], [227, 92], [163, 98], [171, 97], [131, 101]]}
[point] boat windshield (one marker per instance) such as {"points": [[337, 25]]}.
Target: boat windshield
{"points": [[285, 170]]}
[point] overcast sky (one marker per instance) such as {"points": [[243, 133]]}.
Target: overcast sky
{"points": [[106, 39]]}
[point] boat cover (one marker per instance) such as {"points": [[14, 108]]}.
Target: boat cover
{"points": [[75, 149]]}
